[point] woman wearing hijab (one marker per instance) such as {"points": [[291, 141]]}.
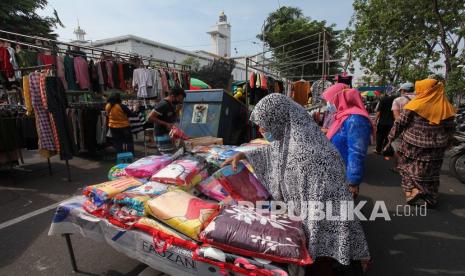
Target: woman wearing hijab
{"points": [[426, 126], [350, 131], [301, 165]]}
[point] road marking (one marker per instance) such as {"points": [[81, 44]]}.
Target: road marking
{"points": [[28, 216]]}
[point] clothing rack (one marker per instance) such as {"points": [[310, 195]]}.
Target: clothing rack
{"points": [[33, 68]]}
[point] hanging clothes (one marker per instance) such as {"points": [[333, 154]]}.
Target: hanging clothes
{"points": [[61, 71], [6, 68], [57, 104], [81, 69], [14, 63], [142, 79], [45, 134], [110, 80], [263, 82], [252, 80], [27, 58], [122, 83], [164, 81], [70, 77], [116, 81], [301, 92], [45, 59], [27, 96], [43, 97]]}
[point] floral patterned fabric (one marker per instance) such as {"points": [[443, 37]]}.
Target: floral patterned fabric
{"points": [[242, 230], [301, 166], [117, 172], [243, 265], [241, 184], [182, 211]]}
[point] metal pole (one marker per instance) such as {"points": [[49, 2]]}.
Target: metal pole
{"points": [[71, 252], [323, 72]]}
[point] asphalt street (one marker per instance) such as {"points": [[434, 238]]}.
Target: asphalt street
{"points": [[405, 245]]}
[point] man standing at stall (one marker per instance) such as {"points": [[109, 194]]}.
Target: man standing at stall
{"points": [[164, 116]]}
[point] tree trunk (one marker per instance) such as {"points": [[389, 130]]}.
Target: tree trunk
{"points": [[446, 49]]}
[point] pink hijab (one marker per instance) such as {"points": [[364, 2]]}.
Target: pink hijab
{"points": [[347, 101]]}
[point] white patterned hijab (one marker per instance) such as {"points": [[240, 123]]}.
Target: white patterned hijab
{"points": [[302, 165]]}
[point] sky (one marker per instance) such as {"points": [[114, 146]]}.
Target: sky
{"points": [[184, 23]]}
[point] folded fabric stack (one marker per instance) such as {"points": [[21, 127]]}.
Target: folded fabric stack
{"points": [[100, 195], [148, 166], [117, 172], [129, 206], [182, 211], [185, 172], [242, 230]]}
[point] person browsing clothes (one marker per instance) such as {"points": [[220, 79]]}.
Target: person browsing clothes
{"points": [[164, 116], [118, 122]]}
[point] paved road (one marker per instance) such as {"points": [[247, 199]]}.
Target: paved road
{"points": [[415, 245]]}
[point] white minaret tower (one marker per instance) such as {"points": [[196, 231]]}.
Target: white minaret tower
{"points": [[79, 33], [221, 37]]}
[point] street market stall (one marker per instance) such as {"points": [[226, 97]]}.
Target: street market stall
{"points": [[165, 211]]}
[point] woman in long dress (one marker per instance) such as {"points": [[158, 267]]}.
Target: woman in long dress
{"points": [[302, 165]]}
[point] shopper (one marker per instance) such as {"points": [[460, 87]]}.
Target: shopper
{"points": [[164, 116], [118, 123], [384, 121], [407, 93], [426, 127], [301, 165], [350, 132]]}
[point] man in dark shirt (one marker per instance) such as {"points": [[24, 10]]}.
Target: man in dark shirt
{"points": [[384, 121], [164, 116]]}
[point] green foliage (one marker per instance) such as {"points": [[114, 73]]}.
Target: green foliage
{"points": [[455, 84], [217, 74], [193, 62], [288, 24], [20, 16], [403, 40]]}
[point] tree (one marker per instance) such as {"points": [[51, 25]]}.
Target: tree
{"points": [[192, 62], [20, 16], [217, 74], [403, 40], [289, 27]]}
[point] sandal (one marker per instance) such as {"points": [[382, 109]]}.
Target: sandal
{"points": [[413, 199]]}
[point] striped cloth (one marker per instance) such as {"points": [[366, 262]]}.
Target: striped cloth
{"points": [[46, 140], [137, 123]]}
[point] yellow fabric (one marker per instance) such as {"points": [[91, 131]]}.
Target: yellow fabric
{"points": [[431, 102], [27, 96], [116, 116]]}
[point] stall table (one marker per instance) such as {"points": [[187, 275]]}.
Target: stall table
{"points": [[71, 218]]}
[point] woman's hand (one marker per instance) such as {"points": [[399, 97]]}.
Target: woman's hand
{"points": [[354, 190], [233, 161]]}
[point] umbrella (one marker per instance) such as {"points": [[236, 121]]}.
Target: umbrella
{"points": [[197, 84], [370, 93]]}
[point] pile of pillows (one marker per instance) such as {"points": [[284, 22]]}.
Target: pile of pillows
{"points": [[155, 195]]}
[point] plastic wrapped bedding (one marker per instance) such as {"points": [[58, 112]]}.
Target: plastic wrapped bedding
{"points": [[182, 211], [147, 166], [185, 172], [104, 192], [242, 230]]}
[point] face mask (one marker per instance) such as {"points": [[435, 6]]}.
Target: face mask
{"points": [[268, 136], [330, 107]]}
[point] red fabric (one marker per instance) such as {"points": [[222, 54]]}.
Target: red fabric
{"points": [[252, 80], [5, 65], [81, 69], [263, 83], [122, 83], [347, 101], [170, 240], [46, 59]]}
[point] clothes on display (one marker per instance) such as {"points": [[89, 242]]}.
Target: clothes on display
{"points": [[260, 85], [301, 92]]}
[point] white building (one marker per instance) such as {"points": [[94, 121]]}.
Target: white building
{"points": [[221, 39]]}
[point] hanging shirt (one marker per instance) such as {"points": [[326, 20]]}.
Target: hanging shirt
{"points": [[109, 67], [61, 71], [14, 63], [69, 72], [301, 92], [142, 80], [81, 69], [6, 68]]}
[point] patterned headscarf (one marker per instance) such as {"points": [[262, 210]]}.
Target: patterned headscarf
{"points": [[301, 166]]}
